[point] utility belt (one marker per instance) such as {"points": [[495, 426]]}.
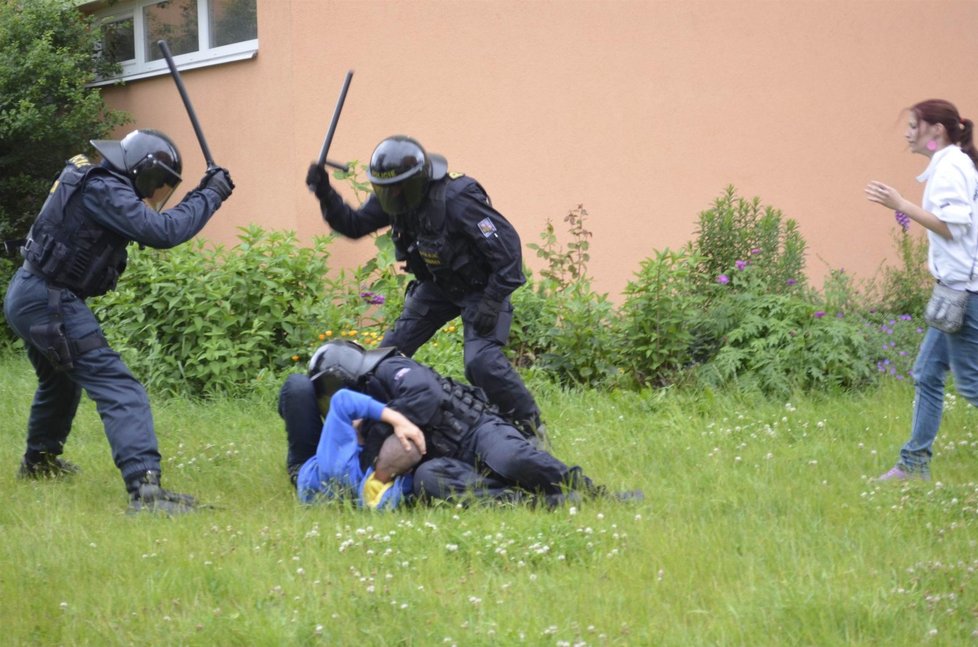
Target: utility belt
{"points": [[51, 340], [36, 271]]}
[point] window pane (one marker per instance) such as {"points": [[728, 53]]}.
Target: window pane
{"points": [[174, 21], [118, 41], [233, 21]]}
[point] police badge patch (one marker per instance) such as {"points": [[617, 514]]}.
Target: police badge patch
{"points": [[486, 227]]}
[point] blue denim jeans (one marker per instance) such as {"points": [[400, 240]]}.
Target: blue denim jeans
{"points": [[939, 352]]}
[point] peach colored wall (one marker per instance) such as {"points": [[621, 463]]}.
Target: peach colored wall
{"points": [[642, 111]]}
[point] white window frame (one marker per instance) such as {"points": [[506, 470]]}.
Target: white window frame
{"points": [[140, 68]]}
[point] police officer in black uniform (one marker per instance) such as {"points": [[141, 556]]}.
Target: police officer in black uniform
{"points": [[465, 256], [471, 449], [76, 249]]}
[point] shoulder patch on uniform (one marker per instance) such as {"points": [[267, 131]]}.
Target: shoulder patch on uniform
{"points": [[455, 175], [486, 227], [80, 161], [401, 373]]}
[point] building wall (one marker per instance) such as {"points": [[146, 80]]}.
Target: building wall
{"points": [[642, 111]]}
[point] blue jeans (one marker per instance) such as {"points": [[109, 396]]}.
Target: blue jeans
{"points": [[939, 352]]}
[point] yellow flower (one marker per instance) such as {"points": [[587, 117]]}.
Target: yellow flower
{"points": [[322, 337], [329, 333], [295, 358]]}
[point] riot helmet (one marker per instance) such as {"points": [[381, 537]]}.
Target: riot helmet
{"points": [[149, 159], [342, 364], [400, 171]]}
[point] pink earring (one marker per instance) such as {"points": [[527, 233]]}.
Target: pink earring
{"points": [[932, 146]]}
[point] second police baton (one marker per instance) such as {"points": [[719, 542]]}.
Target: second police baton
{"points": [[165, 48], [332, 127]]}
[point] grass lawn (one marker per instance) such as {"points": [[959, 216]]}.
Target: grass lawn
{"points": [[760, 526]]}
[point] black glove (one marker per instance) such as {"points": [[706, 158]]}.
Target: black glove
{"points": [[317, 179], [486, 315], [218, 180]]}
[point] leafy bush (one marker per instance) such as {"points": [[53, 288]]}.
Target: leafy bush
{"points": [[560, 325], [661, 318], [736, 231], [202, 321], [782, 343], [566, 332], [894, 341], [907, 287]]}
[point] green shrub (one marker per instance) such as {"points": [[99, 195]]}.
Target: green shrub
{"points": [[561, 326], [894, 341], [783, 343], [907, 287], [201, 321], [736, 232], [662, 317]]}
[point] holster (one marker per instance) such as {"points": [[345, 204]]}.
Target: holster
{"points": [[51, 340]]}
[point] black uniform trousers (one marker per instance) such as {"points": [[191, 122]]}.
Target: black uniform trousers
{"points": [[494, 460], [427, 308], [121, 400]]}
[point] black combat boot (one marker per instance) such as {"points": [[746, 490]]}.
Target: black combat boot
{"points": [[42, 465], [576, 481], [146, 495]]}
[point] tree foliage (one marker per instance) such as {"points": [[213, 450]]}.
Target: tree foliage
{"points": [[47, 114]]}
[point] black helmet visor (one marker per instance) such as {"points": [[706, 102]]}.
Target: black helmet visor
{"points": [[155, 182], [404, 196], [326, 385]]}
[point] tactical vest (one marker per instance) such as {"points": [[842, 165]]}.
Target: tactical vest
{"points": [[452, 262], [462, 408], [69, 249]]}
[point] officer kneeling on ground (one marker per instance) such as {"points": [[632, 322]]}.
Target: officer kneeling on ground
{"points": [[76, 249], [472, 452], [465, 256]]}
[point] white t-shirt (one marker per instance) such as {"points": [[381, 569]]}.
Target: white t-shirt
{"points": [[951, 194]]}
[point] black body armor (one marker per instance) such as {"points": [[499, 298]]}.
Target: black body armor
{"points": [[69, 249], [433, 252]]}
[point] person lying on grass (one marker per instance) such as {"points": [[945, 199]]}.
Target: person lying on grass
{"points": [[337, 469]]}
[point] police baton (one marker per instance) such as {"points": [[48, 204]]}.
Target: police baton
{"points": [[332, 127], [165, 48]]}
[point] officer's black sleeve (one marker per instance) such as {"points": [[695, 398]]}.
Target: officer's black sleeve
{"points": [[113, 203], [411, 388], [494, 237], [350, 222]]}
